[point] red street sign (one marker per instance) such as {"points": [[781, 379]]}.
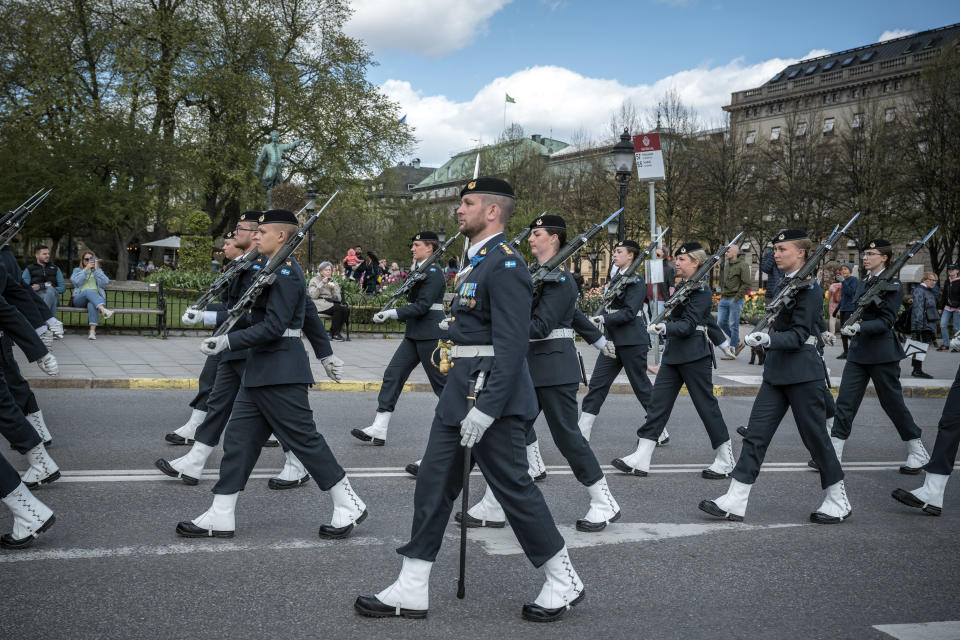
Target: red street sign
{"points": [[646, 142]]}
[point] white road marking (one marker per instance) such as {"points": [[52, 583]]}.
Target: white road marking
{"points": [[949, 630], [499, 542]]}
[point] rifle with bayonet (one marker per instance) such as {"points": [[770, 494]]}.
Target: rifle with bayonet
{"points": [[419, 275], [12, 221], [629, 276], [788, 292], [874, 293], [546, 271], [266, 275], [683, 292]]}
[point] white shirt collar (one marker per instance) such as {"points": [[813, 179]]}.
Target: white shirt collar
{"points": [[476, 246], [790, 275]]}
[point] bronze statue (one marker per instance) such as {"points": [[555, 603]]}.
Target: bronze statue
{"points": [[272, 174]]}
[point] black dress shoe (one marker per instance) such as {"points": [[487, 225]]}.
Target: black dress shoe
{"points": [[742, 431], [620, 465], [911, 500], [9, 542], [166, 467], [174, 438], [664, 442], [813, 465], [822, 518], [371, 607], [713, 475], [360, 435], [413, 469], [476, 523], [921, 374], [187, 529], [271, 443], [337, 337], [709, 506], [277, 483], [542, 476], [536, 613], [336, 533], [592, 527], [910, 471], [842, 356], [53, 477]]}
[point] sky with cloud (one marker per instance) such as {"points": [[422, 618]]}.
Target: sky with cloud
{"points": [[570, 63]]}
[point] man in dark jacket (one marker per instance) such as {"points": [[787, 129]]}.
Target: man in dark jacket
{"points": [[950, 302], [45, 278]]}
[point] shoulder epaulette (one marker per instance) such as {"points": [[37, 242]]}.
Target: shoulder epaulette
{"points": [[506, 248]]}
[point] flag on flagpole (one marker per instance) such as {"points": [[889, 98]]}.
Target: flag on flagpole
{"points": [[509, 99], [403, 119]]}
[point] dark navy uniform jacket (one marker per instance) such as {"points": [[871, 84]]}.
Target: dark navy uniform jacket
{"points": [[15, 325], [876, 342], [492, 307], [621, 323], [20, 294], [422, 323], [684, 342], [555, 361], [584, 328], [790, 360], [273, 359]]}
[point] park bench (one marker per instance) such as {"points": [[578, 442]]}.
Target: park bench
{"points": [[142, 301]]}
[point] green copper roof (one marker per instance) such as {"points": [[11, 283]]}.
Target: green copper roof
{"points": [[459, 168]]}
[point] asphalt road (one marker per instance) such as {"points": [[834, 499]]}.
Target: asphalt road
{"points": [[112, 566]]}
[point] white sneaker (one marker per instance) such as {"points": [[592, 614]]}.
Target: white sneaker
{"points": [[638, 462], [42, 470], [586, 424], [36, 420], [486, 513], [30, 518], [835, 508], [107, 313], [561, 590], [917, 457], [409, 596], [377, 432], [723, 463], [603, 508], [535, 466], [732, 505], [292, 475], [219, 521], [348, 511]]}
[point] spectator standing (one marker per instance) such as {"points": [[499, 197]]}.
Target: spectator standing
{"points": [[45, 278], [950, 301], [88, 282], [774, 275], [663, 288], [326, 296], [452, 268], [848, 297], [923, 318], [395, 270], [349, 263], [371, 276], [834, 295], [734, 285]]}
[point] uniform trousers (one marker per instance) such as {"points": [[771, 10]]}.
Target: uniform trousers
{"points": [[13, 425], [806, 401], [207, 376], [886, 381], [405, 359], [944, 452], [282, 409], [698, 377], [9, 478], [19, 387], [559, 406], [631, 358], [502, 458], [219, 402]]}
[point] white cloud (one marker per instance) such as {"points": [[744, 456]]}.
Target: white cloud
{"points": [[816, 53], [891, 34], [432, 28], [561, 101]]}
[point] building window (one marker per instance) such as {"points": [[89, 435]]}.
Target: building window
{"points": [[774, 134], [897, 84], [801, 129], [886, 87], [751, 136], [857, 121], [835, 97], [828, 126], [890, 114], [780, 108]]}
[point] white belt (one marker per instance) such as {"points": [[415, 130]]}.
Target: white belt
{"points": [[701, 327], [436, 307], [471, 351], [811, 340], [556, 334], [291, 333]]}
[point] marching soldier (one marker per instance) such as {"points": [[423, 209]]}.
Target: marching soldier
{"points": [[624, 327], [792, 378], [273, 397], [183, 434], [687, 359], [875, 354], [30, 516], [422, 316], [555, 370], [491, 328]]}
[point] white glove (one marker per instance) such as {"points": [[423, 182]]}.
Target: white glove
{"points": [[383, 316], [597, 321], [657, 329], [609, 350], [723, 345], [730, 352], [213, 346], [852, 330], [47, 339], [334, 367], [599, 344], [444, 324], [191, 316], [757, 339], [48, 364], [828, 338], [473, 426], [56, 327], [955, 344]]}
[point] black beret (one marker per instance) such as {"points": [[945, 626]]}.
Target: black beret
{"points": [[492, 186], [250, 216], [548, 220], [228, 235], [280, 216], [789, 234], [687, 247], [425, 235], [878, 243], [629, 244]]}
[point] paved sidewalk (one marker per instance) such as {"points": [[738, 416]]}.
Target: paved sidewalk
{"points": [[145, 362]]}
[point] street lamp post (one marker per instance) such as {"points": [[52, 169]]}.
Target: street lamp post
{"points": [[612, 228], [592, 256], [442, 236], [623, 163], [311, 207]]}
